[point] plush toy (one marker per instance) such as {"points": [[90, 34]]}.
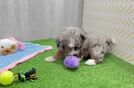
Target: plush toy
{"points": [[71, 62], [8, 77], [10, 45]]}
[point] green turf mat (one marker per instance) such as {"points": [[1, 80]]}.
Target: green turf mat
{"points": [[112, 73]]}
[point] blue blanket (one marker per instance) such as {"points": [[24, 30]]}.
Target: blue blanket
{"points": [[9, 61]]}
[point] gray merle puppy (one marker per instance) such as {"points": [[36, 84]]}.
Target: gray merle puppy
{"points": [[75, 41]]}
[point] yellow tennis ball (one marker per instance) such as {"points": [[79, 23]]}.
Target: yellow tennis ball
{"points": [[6, 78]]}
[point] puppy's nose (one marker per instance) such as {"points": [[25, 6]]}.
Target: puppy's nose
{"points": [[75, 55]]}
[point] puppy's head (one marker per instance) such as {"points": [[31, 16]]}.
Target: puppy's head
{"points": [[71, 41]]}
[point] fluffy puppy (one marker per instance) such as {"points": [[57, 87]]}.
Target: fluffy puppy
{"points": [[94, 48], [69, 43], [75, 41]]}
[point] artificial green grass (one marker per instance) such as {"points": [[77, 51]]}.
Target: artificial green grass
{"points": [[112, 73]]}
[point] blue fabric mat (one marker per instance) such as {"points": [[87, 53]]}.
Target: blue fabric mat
{"points": [[30, 48]]}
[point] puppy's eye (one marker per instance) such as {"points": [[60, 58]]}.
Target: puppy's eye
{"points": [[75, 48], [102, 52], [63, 47]]}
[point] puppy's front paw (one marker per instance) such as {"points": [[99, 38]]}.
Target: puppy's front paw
{"points": [[50, 59], [90, 62]]}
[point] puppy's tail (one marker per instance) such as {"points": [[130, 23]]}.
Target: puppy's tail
{"points": [[111, 42]]}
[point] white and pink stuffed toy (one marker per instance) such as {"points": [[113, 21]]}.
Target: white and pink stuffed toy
{"points": [[10, 45]]}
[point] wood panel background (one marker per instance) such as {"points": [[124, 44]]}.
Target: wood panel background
{"points": [[38, 19]]}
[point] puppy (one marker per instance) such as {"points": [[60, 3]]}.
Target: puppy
{"points": [[94, 48], [75, 41], [69, 43]]}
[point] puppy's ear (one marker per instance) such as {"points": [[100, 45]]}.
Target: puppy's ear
{"points": [[59, 41], [83, 35]]}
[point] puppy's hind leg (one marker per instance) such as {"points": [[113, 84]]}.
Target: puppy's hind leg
{"points": [[57, 56], [90, 62], [97, 55], [93, 61]]}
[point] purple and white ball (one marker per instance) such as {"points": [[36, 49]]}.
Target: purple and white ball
{"points": [[71, 62]]}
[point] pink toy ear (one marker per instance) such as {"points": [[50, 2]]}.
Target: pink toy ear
{"points": [[20, 45]]}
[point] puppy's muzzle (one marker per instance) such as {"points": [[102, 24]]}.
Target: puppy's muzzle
{"points": [[73, 53]]}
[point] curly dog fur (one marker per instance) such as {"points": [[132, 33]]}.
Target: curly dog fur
{"points": [[75, 41]]}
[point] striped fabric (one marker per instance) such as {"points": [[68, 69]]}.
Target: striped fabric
{"points": [[114, 18]]}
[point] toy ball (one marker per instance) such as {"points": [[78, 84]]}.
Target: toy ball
{"points": [[71, 62], [6, 78]]}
